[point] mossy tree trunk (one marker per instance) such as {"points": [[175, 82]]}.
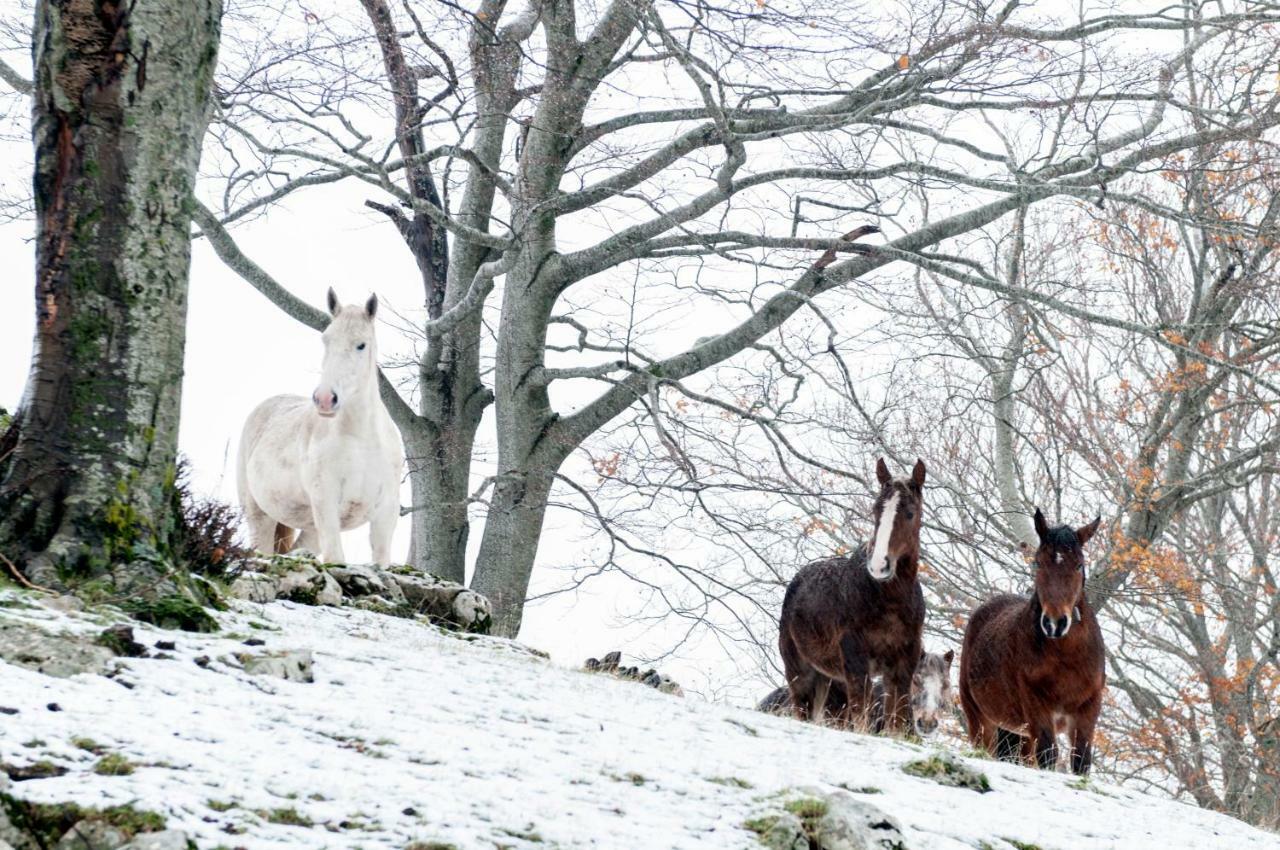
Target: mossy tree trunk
{"points": [[119, 110]]}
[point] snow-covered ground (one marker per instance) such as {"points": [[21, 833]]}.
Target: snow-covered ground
{"points": [[409, 734]]}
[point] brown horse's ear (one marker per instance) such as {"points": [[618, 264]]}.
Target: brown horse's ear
{"points": [[371, 306], [1084, 532], [917, 474], [949, 656], [882, 472], [1042, 527], [333, 302]]}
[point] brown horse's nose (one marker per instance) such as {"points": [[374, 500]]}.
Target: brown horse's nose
{"points": [[926, 726], [1054, 628]]}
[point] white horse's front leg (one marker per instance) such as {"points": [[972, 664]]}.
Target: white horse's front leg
{"points": [[382, 525], [329, 530]]}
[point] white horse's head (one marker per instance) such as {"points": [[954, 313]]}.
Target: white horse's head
{"points": [[350, 367]]}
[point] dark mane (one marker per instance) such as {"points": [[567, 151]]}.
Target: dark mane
{"points": [[1062, 537]]}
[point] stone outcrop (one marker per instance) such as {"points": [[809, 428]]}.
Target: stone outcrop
{"points": [[611, 663], [52, 654], [401, 591], [817, 819]]}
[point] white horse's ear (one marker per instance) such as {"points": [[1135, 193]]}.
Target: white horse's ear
{"points": [[371, 306], [333, 302]]}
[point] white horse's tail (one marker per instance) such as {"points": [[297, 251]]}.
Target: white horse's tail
{"points": [[283, 538]]}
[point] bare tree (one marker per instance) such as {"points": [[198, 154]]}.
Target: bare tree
{"points": [[561, 194]]}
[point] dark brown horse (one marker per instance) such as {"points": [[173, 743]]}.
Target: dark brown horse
{"points": [[1033, 667], [851, 619]]}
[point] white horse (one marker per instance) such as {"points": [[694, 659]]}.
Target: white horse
{"points": [[329, 463]]}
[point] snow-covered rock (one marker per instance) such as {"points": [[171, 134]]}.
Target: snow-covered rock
{"points": [[51, 653], [293, 666], [402, 591], [413, 734]]}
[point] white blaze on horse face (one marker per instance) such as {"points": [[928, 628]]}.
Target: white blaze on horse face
{"points": [[928, 709], [879, 565], [349, 354]]}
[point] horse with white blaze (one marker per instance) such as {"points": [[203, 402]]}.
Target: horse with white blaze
{"points": [[329, 463]]}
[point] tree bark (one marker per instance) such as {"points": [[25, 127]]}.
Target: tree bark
{"points": [[120, 108]]}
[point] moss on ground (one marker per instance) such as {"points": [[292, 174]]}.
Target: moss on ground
{"points": [[945, 770], [46, 823], [172, 612]]}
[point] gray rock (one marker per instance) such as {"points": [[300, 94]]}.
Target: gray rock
{"points": [[292, 665], [255, 587], [853, 824], [169, 839], [367, 580], [91, 835], [471, 611], [445, 601], [309, 586], [783, 831], [66, 603], [55, 655], [11, 838]]}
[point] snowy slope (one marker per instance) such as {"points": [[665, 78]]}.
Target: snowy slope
{"points": [[409, 734]]}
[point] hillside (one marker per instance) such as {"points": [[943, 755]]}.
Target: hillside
{"points": [[409, 735]]}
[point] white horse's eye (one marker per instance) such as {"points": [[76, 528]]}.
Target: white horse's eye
{"points": [[360, 347]]}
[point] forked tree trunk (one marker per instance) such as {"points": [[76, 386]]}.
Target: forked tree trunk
{"points": [[120, 103]]}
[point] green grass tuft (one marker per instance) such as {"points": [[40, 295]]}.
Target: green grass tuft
{"points": [[114, 764], [286, 817], [945, 770]]}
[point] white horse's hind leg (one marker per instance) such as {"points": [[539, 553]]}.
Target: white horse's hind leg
{"points": [[381, 527], [308, 540], [262, 528]]}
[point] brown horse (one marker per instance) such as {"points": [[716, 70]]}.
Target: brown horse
{"points": [[852, 619], [930, 696], [1034, 667]]}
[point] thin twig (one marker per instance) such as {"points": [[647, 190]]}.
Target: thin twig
{"points": [[23, 579]]}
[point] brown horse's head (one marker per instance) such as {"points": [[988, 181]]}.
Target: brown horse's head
{"points": [[931, 691], [1060, 574], [896, 521]]}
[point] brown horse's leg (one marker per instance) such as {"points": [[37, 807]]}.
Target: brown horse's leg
{"points": [[980, 735], [799, 674], [897, 700], [1082, 736], [1041, 747], [857, 683], [820, 690]]}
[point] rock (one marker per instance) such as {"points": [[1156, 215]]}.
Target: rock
{"points": [[368, 580], [11, 838], [292, 665], [65, 603], [255, 587], [169, 839], [119, 639], [782, 831], [91, 835], [309, 586], [61, 656], [472, 612], [445, 602], [853, 824]]}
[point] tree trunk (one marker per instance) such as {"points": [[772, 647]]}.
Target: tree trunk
{"points": [[120, 102], [510, 545], [439, 467]]}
